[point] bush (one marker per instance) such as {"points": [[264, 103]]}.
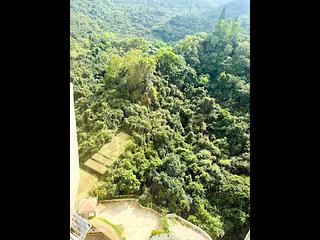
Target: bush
{"points": [[118, 228], [164, 226]]}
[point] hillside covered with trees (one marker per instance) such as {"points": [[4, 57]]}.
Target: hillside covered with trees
{"points": [[185, 99], [167, 20]]}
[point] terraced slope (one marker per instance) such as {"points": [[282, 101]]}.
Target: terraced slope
{"points": [[98, 164], [108, 154]]}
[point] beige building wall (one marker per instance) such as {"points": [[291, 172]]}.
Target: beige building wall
{"points": [[74, 158], [248, 236]]}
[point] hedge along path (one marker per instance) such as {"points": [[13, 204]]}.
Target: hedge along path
{"points": [[98, 164]]}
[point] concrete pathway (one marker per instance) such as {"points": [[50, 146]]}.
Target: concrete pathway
{"points": [[104, 228], [184, 232], [136, 221]]}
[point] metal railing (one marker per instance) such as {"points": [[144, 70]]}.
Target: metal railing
{"points": [[79, 227]]}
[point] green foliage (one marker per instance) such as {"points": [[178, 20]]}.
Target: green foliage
{"points": [[131, 73], [106, 190], [163, 227], [156, 232], [186, 106], [230, 91], [227, 50], [190, 46], [117, 227], [153, 19], [205, 220]]}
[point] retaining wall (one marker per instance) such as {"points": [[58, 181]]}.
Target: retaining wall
{"points": [[169, 216], [189, 224], [134, 201]]}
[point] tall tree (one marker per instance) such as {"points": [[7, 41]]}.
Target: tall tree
{"points": [[223, 14]]}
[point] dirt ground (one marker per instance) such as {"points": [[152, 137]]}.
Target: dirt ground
{"points": [[115, 147], [136, 221], [87, 181]]}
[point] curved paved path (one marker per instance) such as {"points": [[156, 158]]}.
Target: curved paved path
{"points": [[184, 232], [136, 221], [105, 229]]}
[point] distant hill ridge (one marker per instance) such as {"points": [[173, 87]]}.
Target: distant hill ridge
{"points": [[166, 20]]}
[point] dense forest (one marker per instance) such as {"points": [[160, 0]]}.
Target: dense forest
{"points": [[182, 91], [167, 20]]}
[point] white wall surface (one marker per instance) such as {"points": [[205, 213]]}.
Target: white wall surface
{"points": [[74, 158]]}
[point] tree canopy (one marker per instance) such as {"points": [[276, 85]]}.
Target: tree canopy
{"points": [[186, 104]]}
